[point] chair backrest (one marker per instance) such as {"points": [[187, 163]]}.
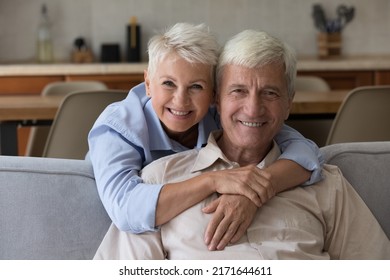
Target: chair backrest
{"points": [[38, 134], [62, 88], [75, 118], [311, 83], [363, 116], [312, 128]]}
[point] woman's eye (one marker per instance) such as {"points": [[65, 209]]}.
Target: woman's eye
{"points": [[197, 86], [168, 83]]}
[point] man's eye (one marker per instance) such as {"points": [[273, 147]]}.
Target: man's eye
{"points": [[271, 95], [238, 90]]}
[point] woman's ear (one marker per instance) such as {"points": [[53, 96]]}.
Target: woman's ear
{"points": [[147, 82], [212, 101]]}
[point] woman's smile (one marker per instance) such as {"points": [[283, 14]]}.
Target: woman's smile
{"points": [[179, 113]]}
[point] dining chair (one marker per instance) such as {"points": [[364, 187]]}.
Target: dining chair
{"points": [[311, 83], [311, 127], [363, 116], [74, 119], [38, 134]]}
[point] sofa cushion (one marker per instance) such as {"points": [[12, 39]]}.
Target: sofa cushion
{"points": [[366, 165], [50, 209]]}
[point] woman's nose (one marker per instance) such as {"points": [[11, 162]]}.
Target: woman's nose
{"points": [[181, 97]]}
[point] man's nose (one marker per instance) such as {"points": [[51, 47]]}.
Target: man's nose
{"points": [[255, 105]]}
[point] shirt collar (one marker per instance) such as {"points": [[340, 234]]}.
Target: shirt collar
{"points": [[211, 153]]}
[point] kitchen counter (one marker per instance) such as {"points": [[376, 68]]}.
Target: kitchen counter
{"points": [[355, 63], [71, 69], [352, 63]]}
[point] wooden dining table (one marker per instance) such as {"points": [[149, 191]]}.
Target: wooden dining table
{"points": [[311, 103], [23, 110], [35, 110]]}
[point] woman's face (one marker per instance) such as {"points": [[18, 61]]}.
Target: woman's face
{"points": [[181, 92]]}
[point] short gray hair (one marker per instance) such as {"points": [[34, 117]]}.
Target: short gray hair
{"points": [[254, 49], [194, 43]]}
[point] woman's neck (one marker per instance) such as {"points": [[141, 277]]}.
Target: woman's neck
{"points": [[187, 138]]}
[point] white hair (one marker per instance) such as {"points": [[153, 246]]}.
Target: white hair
{"points": [[254, 49], [194, 43]]}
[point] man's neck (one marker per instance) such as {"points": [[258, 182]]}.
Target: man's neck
{"points": [[242, 156]]}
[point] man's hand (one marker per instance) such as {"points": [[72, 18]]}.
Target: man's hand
{"points": [[232, 216]]}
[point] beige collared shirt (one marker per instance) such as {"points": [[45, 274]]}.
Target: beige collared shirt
{"points": [[327, 220]]}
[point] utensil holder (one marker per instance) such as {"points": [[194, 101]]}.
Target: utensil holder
{"points": [[82, 56], [329, 45]]}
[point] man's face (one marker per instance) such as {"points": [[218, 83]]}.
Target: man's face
{"points": [[181, 92], [253, 105]]}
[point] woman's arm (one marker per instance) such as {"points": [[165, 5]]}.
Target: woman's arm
{"points": [[300, 157], [128, 201], [248, 181], [286, 174]]}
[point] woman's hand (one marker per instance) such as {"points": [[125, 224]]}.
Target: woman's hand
{"points": [[249, 181], [232, 216]]}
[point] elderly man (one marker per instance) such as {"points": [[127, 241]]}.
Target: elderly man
{"points": [[255, 89]]}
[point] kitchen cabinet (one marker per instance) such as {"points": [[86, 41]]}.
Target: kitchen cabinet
{"points": [[125, 81], [341, 80], [31, 78], [25, 84], [348, 72], [34, 84], [382, 77]]}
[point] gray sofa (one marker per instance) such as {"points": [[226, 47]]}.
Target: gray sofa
{"points": [[50, 209]]}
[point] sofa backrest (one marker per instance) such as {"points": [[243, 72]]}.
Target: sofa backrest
{"points": [[49, 209], [366, 165]]}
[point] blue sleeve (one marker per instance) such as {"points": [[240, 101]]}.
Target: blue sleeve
{"points": [[303, 151], [129, 202]]}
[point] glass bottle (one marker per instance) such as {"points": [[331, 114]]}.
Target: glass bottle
{"points": [[44, 40]]}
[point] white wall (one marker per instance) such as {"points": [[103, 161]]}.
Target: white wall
{"points": [[103, 21]]}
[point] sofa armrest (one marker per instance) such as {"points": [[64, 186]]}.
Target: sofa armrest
{"points": [[50, 209]]}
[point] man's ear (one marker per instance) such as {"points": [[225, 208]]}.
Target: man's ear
{"points": [[147, 82], [290, 104]]}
